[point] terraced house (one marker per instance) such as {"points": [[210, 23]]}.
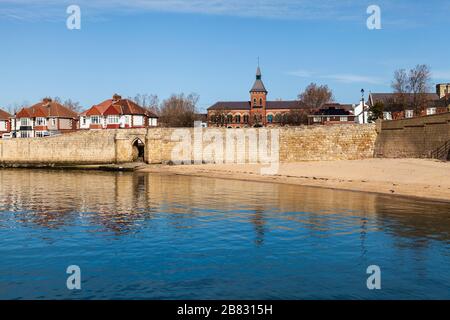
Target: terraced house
{"points": [[117, 113], [396, 106], [5, 122], [43, 119]]}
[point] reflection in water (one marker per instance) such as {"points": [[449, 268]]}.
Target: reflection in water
{"points": [[212, 238]]}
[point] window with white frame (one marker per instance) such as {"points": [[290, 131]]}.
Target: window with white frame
{"points": [[83, 121], [316, 119], [342, 119], [95, 120], [387, 116], [41, 121], [3, 126], [431, 111], [113, 119], [54, 122], [138, 121], [26, 134], [24, 122], [409, 113], [41, 134]]}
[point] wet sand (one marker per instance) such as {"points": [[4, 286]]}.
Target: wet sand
{"points": [[423, 178]]}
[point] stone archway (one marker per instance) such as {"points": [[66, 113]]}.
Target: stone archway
{"points": [[138, 150]]}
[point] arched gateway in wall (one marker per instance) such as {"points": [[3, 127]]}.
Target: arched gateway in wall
{"points": [[131, 145]]}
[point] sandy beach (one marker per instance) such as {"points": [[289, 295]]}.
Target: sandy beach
{"points": [[422, 178]]}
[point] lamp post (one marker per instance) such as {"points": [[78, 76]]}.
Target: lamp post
{"points": [[362, 102]]}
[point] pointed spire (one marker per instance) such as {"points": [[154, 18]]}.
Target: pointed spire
{"points": [[258, 86]]}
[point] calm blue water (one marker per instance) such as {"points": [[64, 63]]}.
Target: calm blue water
{"points": [[146, 236]]}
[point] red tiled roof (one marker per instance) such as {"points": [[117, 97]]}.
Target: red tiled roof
{"points": [[47, 108], [118, 106], [4, 115]]}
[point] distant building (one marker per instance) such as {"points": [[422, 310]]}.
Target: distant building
{"points": [[361, 112], [257, 112], [117, 113], [44, 119], [5, 122], [332, 113], [434, 103]]}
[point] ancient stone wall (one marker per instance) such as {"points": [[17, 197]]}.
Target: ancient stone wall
{"points": [[412, 138], [193, 144]]}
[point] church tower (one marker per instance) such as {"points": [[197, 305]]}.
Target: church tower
{"points": [[258, 101]]}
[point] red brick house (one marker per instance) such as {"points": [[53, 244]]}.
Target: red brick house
{"points": [[117, 113], [257, 112], [5, 122], [43, 119], [333, 113]]}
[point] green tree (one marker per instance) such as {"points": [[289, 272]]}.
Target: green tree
{"points": [[376, 111]]}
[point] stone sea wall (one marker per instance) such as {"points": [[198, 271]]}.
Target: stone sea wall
{"points": [[116, 146], [412, 138]]}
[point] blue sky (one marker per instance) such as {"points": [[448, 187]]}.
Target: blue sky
{"points": [[211, 47]]}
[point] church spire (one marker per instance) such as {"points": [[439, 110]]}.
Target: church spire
{"points": [[258, 86]]}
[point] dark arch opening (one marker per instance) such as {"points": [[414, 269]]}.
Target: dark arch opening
{"points": [[448, 155], [138, 151]]}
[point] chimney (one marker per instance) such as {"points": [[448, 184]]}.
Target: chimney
{"points": [[442, 89], [47, 100], [116, 97]]}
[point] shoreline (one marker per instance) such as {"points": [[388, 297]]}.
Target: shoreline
{"points": [[415, 178]]}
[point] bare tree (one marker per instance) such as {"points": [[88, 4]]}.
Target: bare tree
{"points": [[69, 104], [179, 110], [316, 96], [16, 107], [411, 87], [419, 84], [147, 101]]}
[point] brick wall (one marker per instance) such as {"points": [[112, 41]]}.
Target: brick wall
{"points": [[412, 138]]}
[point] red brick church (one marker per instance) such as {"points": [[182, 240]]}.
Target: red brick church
{"points": [[259, 112]]}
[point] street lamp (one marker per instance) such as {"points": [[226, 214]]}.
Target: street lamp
{"points": [[362, 101]]}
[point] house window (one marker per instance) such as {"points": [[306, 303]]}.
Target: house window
{"points": [[114, 119], [2, 125], [83, 121], [342, 119], [24, 122], [237, 118], [254, 102], [229, 118], [41, 121], [245, 118], [409, 113], [260, 102], [41, 134], [95, 119], [138, 121], [431, 111], [25, 134], [387, 116], [316, 119], [270, 118]]}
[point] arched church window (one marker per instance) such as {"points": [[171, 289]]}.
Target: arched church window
{"points": [[270, 118], [277, 117]]}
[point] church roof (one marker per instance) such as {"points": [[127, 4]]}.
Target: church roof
{"points": [[258, 86], [245, 105]]}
